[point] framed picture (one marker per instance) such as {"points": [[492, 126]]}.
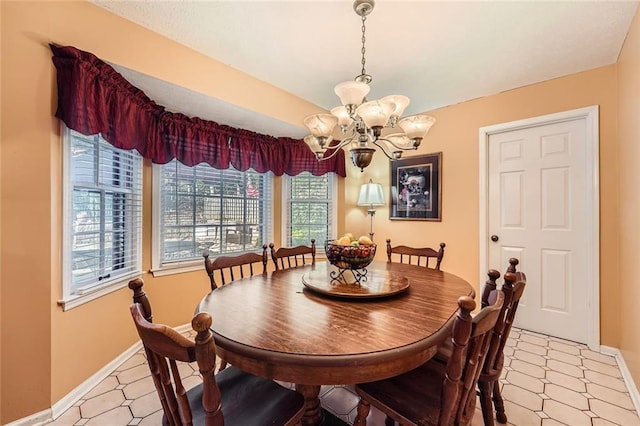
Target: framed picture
{"points": [[416, 184]]}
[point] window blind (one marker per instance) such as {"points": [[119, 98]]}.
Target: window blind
{"points": [[309, 209], [103, 223], [202, 208]]}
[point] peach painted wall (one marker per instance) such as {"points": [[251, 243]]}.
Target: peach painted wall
{"points": [[57, 350], [0, 218], [455, 134], [629, 228]]}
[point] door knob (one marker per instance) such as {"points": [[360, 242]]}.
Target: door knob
{"points": [[494, 238]]}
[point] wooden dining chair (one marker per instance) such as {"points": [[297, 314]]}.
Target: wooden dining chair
{"points": [[438, 393], [231, 397], [291, 257], [513, 266], [488, 383], [406, 255], [232, 267], [226, 265]]}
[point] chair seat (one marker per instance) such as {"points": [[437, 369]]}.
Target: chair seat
{"points": [[248, 400], [415, 396]]}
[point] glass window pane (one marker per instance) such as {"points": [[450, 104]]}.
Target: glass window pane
{"points": [[317, 213], [309, 209], [226, 211], [103, 230]]}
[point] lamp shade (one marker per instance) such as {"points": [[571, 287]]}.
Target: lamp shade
{"points": [[371, 195], [344, 119], [375, 113], [321, 125], [416, 126], [351, 92], [399, 140], [314, 143], [399, 102]]}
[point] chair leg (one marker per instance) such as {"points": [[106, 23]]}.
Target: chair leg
{"points": [[498, 403], [362, 413], [485, 402]]}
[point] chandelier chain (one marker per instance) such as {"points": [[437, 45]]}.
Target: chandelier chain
{"points": [[364, 39]]}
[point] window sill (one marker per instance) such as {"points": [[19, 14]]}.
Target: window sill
{"points": [[75, 300], [178, 268]]}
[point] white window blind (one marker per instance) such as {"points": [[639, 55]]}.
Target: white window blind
{"points": [[202, 208], [310, 209], [103, 213]]}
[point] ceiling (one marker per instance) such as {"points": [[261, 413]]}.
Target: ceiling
{"points": [[437, 53]]}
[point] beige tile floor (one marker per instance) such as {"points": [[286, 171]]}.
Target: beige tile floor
{"points": [[546, 382]]}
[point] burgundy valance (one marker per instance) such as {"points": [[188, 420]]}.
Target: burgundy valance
{"points": [[94, 98]]}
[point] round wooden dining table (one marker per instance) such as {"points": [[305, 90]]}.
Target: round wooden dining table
{"points": [[289, 326]]}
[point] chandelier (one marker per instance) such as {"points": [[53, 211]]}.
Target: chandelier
{"points": [[361, 121]]}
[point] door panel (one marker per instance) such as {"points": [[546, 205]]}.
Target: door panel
{"points": [[556, 281], [537, 183]]}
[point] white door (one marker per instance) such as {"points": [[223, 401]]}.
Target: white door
{"points": [[539, 205]]}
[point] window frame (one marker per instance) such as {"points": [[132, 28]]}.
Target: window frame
{"points": [[89, 292], [160, 268], [286, 205]]}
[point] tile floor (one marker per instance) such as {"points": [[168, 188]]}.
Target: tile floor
{"points": [[546, 382]]}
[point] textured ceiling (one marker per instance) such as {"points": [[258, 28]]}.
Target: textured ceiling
{"points": [[438, 53]]}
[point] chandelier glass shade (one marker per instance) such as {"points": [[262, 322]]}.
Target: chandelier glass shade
{"points": [[361, 121]]}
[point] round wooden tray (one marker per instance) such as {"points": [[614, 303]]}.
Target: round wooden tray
{"points": [[378, 283]]}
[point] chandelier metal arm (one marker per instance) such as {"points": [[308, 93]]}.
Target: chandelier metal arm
{"points": [[336, 148], [384, 150]]}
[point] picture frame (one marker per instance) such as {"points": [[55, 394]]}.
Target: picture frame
{"points": [[416, 188]]}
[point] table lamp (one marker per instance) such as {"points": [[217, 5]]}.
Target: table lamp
{"points": [[371, 195]]}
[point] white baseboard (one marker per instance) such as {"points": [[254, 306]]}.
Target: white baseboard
{"points": [[37, 419], [626, 374]]}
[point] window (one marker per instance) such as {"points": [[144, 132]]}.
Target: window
{"points": [[201, 208], [310, 209], [103, 214]]}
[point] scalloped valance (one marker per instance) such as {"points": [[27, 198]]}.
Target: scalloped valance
{"points": [[94, 98]]}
